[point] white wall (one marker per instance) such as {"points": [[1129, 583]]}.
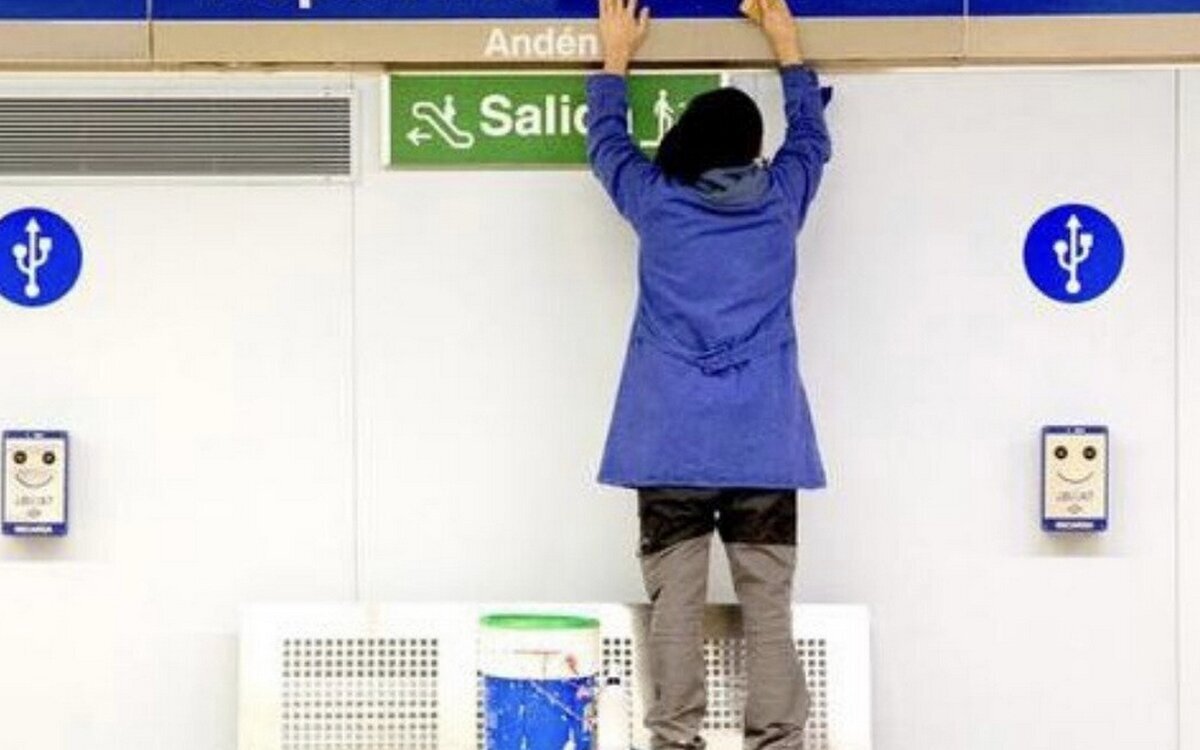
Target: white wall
{"points": [[405, 390], [202, 365], [934, 362]]}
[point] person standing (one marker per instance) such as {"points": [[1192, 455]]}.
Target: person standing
{"points": [[711, 424]]}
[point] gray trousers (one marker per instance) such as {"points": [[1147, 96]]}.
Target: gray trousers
{"points": [[758, 528]]}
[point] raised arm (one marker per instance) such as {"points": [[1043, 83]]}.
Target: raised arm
{"points": [[620, 165], [806, 148], [799, 163], [616, 160]]}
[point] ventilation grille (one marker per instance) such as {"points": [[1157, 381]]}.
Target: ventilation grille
{"points": [[726, 661], [359, 694], [183, 137]]}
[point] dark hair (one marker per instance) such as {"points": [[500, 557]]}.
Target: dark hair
{"points": [[719, 128]]}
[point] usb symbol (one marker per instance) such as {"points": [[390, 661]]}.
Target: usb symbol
{"points": [[31, 256]]}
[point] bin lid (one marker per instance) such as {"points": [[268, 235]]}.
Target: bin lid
{"points": [[515, 621]]}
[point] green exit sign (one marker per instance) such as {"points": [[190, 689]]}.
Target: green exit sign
{"points": [[519, 120]]}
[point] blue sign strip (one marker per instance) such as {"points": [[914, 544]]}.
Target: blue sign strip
{"points": [[196, 10], [284, 10], [74, 10], [1080, 7]]}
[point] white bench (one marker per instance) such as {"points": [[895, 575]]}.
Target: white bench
{"points": [[403, 676]]}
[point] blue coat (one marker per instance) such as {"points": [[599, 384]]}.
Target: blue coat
{"points": [[711, 395]]}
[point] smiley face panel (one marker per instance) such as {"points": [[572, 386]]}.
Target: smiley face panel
{"points": [[34, 486], [1075, 478]]}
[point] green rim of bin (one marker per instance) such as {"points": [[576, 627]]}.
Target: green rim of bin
{"points": [[538, 622]]}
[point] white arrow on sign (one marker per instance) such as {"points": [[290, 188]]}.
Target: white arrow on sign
{"points": [[1073, 251], [416, 137], [32, 230], [33, 256]]}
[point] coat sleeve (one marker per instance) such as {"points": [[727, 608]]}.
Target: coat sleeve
{"points": [[800, 161], [617, 162]]}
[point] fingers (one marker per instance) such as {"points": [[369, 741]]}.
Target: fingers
{"points": [[753, 10], [644, 21], [628, 8]]}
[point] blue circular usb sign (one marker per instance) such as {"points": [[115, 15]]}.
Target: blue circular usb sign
{"points": [[1074, 253], [40, 257]]}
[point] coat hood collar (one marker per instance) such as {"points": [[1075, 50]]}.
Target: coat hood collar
{"points": [[734, 186]]}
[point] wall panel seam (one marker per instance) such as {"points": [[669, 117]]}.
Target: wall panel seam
{"points": [[1179, 350]]}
